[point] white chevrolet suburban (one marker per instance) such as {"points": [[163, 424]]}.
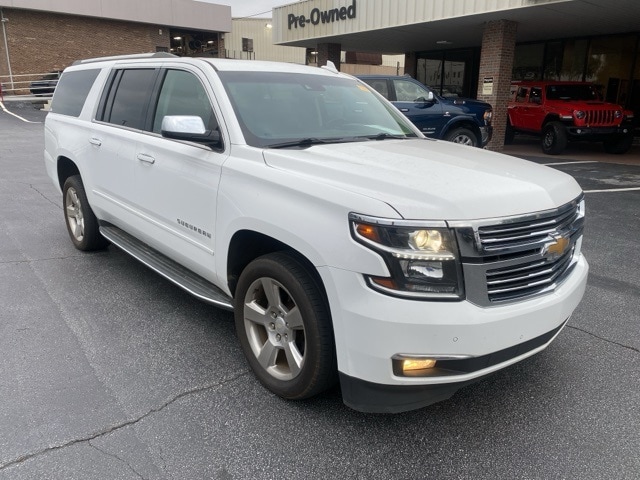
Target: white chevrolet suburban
{"points": [[349, 247]]}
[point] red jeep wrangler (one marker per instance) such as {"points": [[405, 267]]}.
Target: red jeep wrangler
{"points": [[563, 111]]}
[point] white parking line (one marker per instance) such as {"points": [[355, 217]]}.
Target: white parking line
{"points": [[4, 109], [630, 189]]}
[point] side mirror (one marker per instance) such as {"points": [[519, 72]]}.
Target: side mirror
{"points": [[190, 128], [428, 99]]}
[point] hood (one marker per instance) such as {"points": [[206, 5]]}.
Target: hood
{"points": [[431, 180], [571, 105]]}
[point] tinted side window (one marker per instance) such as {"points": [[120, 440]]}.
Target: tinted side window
{"points": [[407, 91], [522, 94], [127, 106], [72, 91], [183, 94], [535, 95], [380, 86]]}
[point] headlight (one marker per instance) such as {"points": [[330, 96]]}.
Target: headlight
{"points": [[617, 114], [422, 258], [488, 115], [579, 114]]}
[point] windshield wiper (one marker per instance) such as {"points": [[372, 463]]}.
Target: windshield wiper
{"points": [[304, 142], [386, 136]]}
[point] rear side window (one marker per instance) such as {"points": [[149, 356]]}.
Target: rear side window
{"points": [[72, 91], [128, 98]]}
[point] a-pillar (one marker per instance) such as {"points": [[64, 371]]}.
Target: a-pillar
{"points": [[329, 51], [496, 65]]}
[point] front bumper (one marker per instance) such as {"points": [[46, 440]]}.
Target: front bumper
{"points": [[584, 133], [486, 133], [371, 328]]}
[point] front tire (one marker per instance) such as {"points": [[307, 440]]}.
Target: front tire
{"points": [[284, 326], [554, 138], [81, 222], [463, 136]]}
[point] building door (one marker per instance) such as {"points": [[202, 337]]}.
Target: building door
{"points": [[450, 73]]}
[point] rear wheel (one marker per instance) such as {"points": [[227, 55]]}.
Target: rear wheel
{"points": [[284, 326], [619, 145], [463, 136], [82, 224], [554, 138]]}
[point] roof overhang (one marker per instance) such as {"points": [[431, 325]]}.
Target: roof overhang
{"points": [[191, 14], [398, 26]]}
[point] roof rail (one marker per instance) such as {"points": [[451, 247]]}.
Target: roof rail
{"points": [[126, 57]]}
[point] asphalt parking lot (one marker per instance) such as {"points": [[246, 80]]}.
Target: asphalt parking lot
{"points": [[107, 371]]}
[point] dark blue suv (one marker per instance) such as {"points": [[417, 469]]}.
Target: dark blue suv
{"points": [[459, 120]]}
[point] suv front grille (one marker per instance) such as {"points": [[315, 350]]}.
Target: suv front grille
{"points": [[495, 238], [516, 258], [601, 118], [526, 279]]}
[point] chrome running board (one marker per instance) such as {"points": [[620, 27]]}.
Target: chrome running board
{"points": [[169, 269]]}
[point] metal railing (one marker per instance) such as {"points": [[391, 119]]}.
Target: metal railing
{"points": [[21, 84]]}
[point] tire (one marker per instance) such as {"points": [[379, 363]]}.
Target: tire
{"points": [[463, 136], [81, 222], [509, 134], [619, 145], [284, 327], [554, 138]]}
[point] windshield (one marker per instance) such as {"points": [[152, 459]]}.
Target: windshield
{"points": [[280, 109], [586, 92]]}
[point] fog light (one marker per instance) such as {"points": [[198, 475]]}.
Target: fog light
{"points": [[413, 364]]}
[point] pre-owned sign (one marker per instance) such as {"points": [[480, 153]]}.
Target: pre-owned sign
{"points": [[318, 16]]}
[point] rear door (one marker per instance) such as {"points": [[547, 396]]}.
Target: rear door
{"points": [[112, 143]]}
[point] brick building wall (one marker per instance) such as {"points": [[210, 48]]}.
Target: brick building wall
{"points": [[496, 62], [41, 42]]}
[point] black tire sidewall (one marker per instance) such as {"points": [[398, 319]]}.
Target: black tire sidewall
{"points": [[559, 138], [462, 130], [317, 373], [92, 239]]}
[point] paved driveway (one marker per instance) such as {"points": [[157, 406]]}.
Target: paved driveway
{"points": [[107, 371]]}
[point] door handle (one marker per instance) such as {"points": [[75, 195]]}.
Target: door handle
{"points": [[95, 141], [143, 157], [404, 109]]}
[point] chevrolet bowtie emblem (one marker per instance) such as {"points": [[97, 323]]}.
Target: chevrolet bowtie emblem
{"points": [[557, 247]]}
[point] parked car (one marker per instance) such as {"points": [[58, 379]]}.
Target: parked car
{"points": [[46, 85], [459, 120], [567, 111], [349, 247]]}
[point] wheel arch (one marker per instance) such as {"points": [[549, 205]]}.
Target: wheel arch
{"points": [[551, 117], [66, 168], [247, 245], [462, 123]]}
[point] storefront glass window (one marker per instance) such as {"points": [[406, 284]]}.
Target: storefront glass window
{"points": [[527, 63], [573, 58], [450, 74], [609, 65]]}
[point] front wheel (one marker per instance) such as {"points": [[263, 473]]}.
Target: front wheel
{"points": [[81, 222], [284, 326], [463, 136], [554, 138]]}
